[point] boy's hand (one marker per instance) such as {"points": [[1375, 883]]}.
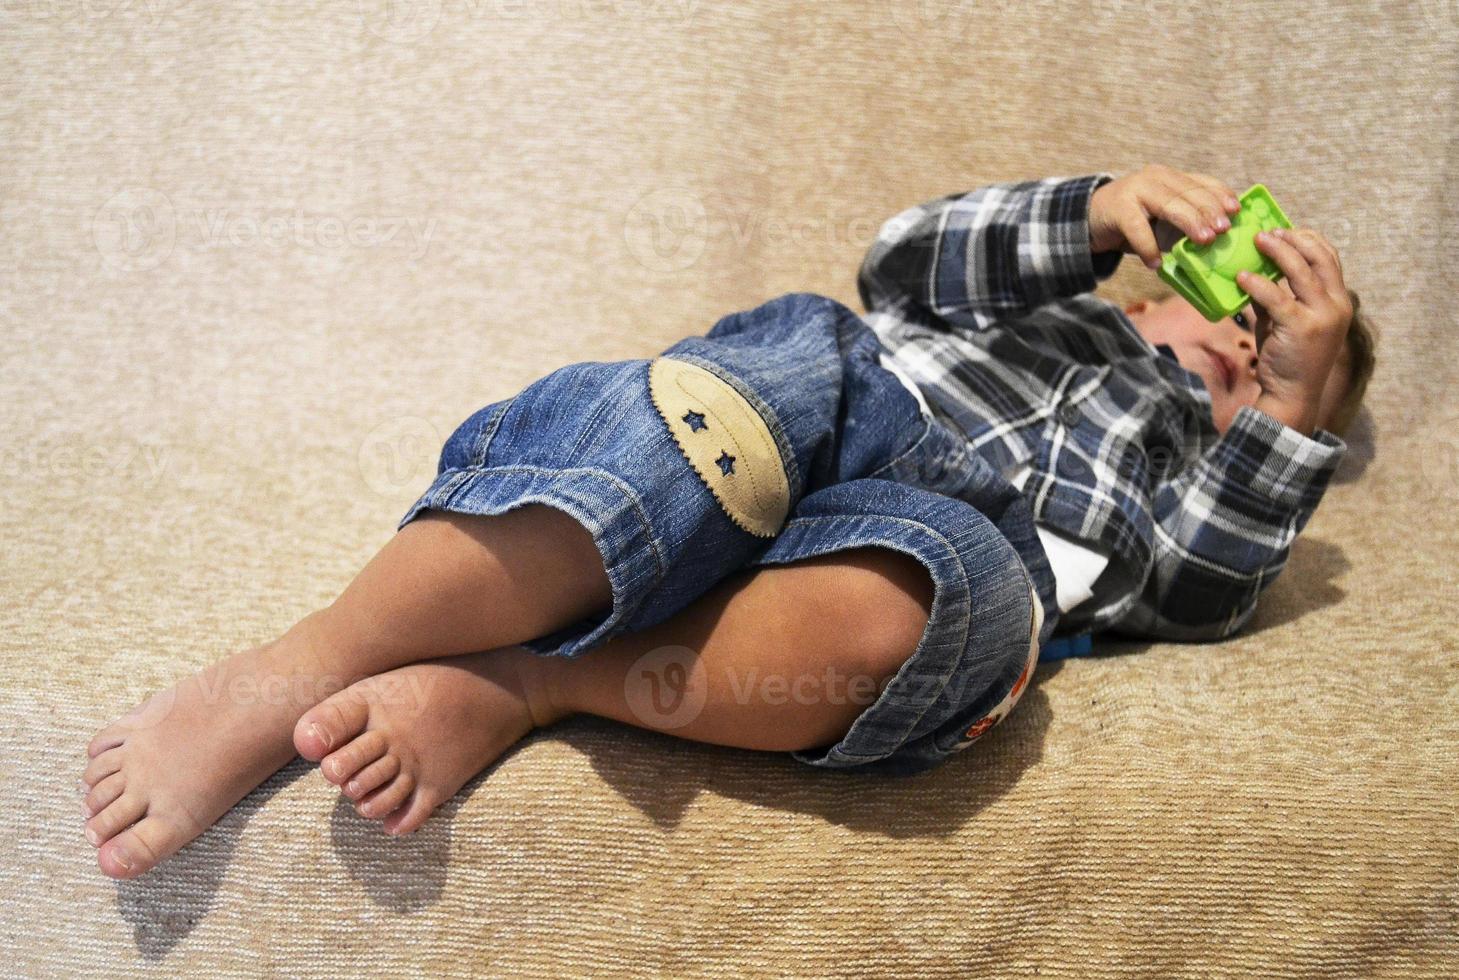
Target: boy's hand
{"points": [[1301, 323], [1136, 212]]}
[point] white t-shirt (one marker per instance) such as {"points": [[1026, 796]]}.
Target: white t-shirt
{"points": [[1076, 564]]}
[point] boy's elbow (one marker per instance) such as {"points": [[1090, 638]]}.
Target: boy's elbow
{"points": [[1200, 623]]}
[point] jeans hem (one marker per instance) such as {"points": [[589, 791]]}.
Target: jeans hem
{"points": [[608, 508], [907, 697]]}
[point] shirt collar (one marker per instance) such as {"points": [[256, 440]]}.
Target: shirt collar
{"points": [[1186, 380]]}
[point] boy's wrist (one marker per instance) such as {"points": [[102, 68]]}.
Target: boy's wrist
{"points": [[1299, 413]]}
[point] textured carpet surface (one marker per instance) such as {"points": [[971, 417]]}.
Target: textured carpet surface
{"points": [[256, 260]]}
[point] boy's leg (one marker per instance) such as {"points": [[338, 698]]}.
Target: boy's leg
{"points": [[448, 584], [871, 583], [443, 585], [778, 658]]}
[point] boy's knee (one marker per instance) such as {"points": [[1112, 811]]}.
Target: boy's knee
{"points": [[883, 600]]}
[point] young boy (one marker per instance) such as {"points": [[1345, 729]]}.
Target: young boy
{"points": [[806, 531]]}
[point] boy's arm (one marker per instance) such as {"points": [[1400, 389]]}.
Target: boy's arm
{"points": [[990, 254], [1224, 527], [972, 259]]}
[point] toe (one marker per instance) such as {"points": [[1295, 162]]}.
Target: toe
{"points": [[103, 794], [125, 811], [102, 766], [387, 798], [107, 738], [139, 849], [372, 777], [331, 723], [408, 818], [356, 755]]}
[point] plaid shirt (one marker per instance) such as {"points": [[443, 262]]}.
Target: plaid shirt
{"points": [[985, 300]]}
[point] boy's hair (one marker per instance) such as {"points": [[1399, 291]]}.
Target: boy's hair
{"points": [[1362, 341]]}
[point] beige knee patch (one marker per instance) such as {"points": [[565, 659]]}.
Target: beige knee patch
{"points": [[725, 440]]}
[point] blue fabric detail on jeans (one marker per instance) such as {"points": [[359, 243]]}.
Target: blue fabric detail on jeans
{"points": [[1064, 647], [865, 466]]}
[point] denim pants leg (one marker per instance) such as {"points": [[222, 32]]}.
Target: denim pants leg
{"points": [[775, 436]]}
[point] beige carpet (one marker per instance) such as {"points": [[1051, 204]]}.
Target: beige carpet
{"points": [[257, 259]]}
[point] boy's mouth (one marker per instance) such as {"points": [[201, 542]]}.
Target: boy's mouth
{"points": [[1224, 365]]}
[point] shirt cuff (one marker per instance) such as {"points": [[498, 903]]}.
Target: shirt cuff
{"points": [[1053, 243], [1276, 462], [1103, 265]]}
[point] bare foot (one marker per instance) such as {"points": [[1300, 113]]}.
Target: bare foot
{"points": [[162, 774], [401, 743]]}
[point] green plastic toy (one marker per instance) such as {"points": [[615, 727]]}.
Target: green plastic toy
{"points": [[1205, 275]]}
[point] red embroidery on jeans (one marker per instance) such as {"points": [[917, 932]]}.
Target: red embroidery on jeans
{"points": [[1018, 684], [980, 726], [983, 724]]}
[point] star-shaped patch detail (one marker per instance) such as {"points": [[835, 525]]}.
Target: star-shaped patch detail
{"points": [[726, 463], [696, 421]]}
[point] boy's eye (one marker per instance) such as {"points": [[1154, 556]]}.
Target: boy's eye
{"points": [[1241, 321]]}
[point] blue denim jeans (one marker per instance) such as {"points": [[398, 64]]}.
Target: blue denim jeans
{"points": [[830, 451]]}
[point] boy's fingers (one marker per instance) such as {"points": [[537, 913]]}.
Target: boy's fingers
{"points": [[1195, 197], [1230, 201], [1271, 300], [1293, 264], [1206, 201], [1323, 257], [1168, 204], [1135, 226], [1263, 324]]}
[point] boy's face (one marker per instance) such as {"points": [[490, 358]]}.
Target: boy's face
{"points": [[1224, 354]]}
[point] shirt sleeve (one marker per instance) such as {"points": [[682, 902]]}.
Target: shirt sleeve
{"points": [[976, 258], [1223, 528]]}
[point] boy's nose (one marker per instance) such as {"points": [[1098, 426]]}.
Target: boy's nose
{"points": [[1246, 344]]}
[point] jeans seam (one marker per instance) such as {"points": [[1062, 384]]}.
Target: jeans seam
{"points": [[926, 431], [482, 445]]}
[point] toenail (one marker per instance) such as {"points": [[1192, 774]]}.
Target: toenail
{"points": [[318, 732], [352, 786], [120, 857], [92, 836], [86, 809]]}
